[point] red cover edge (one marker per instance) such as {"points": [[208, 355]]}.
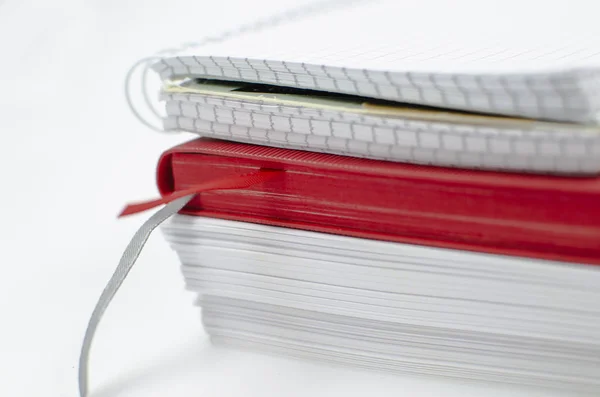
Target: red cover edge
{"points": [[207, 146]]}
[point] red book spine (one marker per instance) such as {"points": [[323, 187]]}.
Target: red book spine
{"points": [[547, 217]]}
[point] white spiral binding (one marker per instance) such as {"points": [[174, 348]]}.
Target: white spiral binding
{"points": [[145, 64]]}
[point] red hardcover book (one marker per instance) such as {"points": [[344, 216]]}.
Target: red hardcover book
{"points": [[546, 217], [401, 306]]}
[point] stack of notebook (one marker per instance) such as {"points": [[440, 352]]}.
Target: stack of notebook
{"points": [[422, 203]]}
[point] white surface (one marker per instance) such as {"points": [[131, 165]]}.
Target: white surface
{"points": [[65, 179]]}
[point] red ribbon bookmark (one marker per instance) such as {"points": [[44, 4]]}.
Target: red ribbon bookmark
{"points": [[233, 182]]}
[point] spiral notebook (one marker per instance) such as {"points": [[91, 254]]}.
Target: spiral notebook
{"points": [[429, 82]]}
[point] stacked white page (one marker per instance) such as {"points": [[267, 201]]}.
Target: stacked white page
{"points": [[535, 65], [392, 306]]}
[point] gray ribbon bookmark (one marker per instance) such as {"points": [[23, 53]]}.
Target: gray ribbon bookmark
{"points": [[127, 261]]}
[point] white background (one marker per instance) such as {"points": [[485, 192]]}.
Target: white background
{"points": [[71, 156]]}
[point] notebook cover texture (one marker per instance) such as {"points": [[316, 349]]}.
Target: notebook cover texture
{"points": [[545, 217]]}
